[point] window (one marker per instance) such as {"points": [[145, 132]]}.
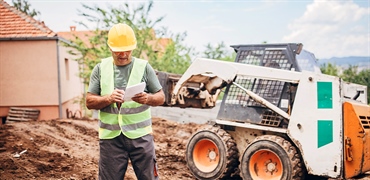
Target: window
{"points": [[66, 64]]}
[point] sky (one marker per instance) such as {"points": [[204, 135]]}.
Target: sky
{"points": [[328, 28]]}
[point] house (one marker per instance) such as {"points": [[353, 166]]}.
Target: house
{"points": [[35, 69]]}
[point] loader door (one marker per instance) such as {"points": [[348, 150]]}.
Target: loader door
{"points": [[356, 139]]}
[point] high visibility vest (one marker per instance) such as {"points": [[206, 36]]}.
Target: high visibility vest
{"points": [[132, 119]]}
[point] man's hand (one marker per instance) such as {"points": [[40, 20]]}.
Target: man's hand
{"points": [[141, 98], [155, 99], [94, 101], [117, 96]]}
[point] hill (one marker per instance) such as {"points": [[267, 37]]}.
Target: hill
{"points": [[345, 62]]}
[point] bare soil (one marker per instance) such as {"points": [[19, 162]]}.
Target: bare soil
{"points": [[69, 149]]}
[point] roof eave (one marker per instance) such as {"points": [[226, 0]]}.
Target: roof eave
{"points": [[28, 38]]}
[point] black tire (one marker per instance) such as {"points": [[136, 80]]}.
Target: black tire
{"points": [[271, 157], [211, 153]]}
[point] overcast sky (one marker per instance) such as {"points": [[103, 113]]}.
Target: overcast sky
{"points": [[328, 28]]}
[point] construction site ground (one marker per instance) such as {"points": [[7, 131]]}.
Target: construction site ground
{"points": [[69, 149]]}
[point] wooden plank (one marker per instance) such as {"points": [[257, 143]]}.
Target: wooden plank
{"points": [[20, 111], [23, 109], [22, 114], [18, 119]]}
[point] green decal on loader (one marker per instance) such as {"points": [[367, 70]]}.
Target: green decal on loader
{"points": [[324, 95], [324, 132]]}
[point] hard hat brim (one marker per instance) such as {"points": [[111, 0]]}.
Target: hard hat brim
{"points": [[120, 49]]}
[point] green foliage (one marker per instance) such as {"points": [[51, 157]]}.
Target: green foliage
{"points": [[329, 69], [364, 78], [24, 6], [230, 58], [219, 52], [175, 58], [350, 74], [215, 52]]}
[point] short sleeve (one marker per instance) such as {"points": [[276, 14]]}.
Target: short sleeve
{"points": [[151, 79], [94, 85]]}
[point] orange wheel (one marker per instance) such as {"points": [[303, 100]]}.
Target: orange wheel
{"points": [[206, 155], [265, 164], [271, 157], [211, 153]]}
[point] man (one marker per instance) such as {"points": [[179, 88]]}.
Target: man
{"points": [[124, 126]]}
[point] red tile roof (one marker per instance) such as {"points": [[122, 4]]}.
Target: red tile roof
{"points": [[73, 34], [16, 24]]}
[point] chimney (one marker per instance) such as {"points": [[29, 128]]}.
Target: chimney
{"points": [[72, 28]]}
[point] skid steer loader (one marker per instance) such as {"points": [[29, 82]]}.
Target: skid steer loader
{"points": [[279, 118]]}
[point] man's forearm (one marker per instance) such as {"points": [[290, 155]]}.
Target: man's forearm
{"points": [[156, 99], [94, 101]]}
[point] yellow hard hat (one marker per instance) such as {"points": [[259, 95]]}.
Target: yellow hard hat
{"points": [[121, 37]]}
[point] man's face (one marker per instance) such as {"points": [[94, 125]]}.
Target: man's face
{"points": [[121, 58]]}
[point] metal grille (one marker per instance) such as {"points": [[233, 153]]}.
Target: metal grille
{"points": [[365, 121], [270, 118], [236, 95], [276, 59], [251, 57], [268, 89], [237, 105], [270, 58]]}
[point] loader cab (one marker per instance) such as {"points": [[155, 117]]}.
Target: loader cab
{"points": [[236, 104]]}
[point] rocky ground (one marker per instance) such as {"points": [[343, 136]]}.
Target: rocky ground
{"points": [[68, 149]]}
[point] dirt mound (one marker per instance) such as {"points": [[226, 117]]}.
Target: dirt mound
{"points": [[69, 149]]}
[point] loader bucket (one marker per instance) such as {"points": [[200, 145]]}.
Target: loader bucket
{"points": [[356, 139]]}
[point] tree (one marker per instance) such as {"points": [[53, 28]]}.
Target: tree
{"points": [[330, 69], [177, 57], [364, 79], [25, 7], [218, 52], [350, 74], [174, 59]]}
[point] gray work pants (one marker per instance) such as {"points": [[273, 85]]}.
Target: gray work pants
{"points": [[115, 153]]}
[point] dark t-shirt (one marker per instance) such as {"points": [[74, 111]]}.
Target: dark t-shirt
{"points": [[121, 74]]}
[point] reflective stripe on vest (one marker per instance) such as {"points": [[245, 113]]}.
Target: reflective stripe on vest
{"points": [[125, 128], [114, 110], [133, 119]]}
